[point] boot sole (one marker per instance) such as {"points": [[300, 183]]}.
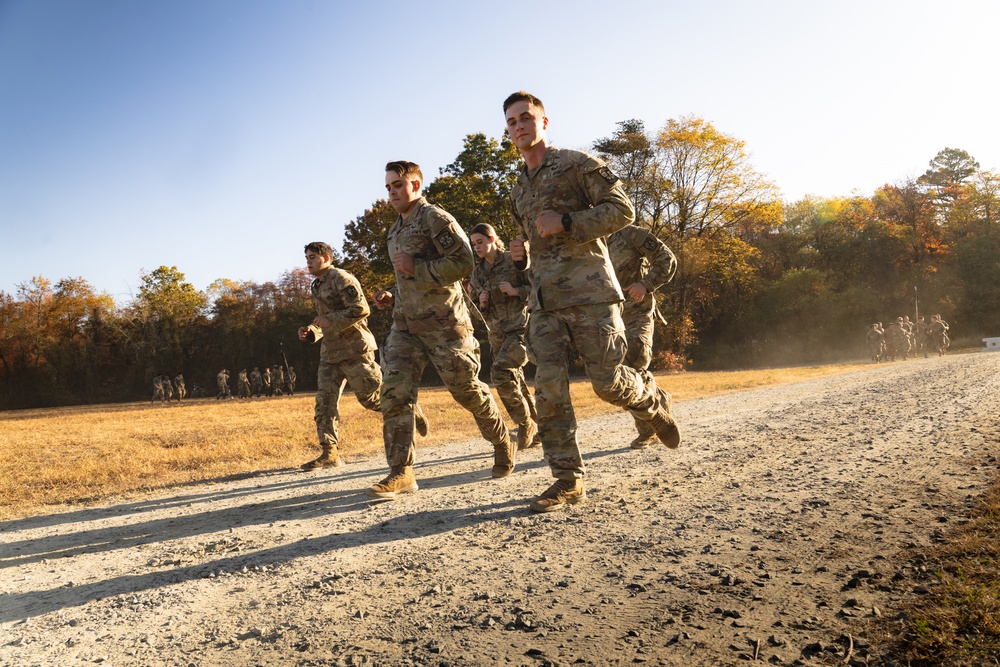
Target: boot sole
{"points": [[391, 495], [555, 508]]}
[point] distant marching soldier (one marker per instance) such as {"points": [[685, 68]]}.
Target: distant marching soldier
{"points": [[256, 382]]}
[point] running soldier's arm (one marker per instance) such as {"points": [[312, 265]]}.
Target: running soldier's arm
{"points": [[456, 259], [610, 207], [354, 307], [662, 263]]}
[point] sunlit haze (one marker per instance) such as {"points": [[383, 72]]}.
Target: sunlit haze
{"points": [[221, 136]]}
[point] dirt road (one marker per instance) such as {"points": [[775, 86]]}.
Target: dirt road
{"points": [[778, 524]]}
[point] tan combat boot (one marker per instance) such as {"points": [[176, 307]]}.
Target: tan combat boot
{"points": [[399, 481], [563, 492], [503, 457], [421, 419], [646, 437], [527, 435], [663, 423], [330, 458]]}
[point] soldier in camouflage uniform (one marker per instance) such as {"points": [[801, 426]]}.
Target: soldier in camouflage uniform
{"points": [[897, 342], [347, 350], [268, 381], [222, 380], [157, 389], [430, 322], [875, 340], [937, 333], [501, 291], [181, 388], [278, 380], [256, 382], [920, 331], [643, 264], [566, 203], [242, 384]]}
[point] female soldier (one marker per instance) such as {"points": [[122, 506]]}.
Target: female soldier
{"points": [[501, 292]]}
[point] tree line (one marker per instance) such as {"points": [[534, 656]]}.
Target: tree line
{"points": [[759, 281]]}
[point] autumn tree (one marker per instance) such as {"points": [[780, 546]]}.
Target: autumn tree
{"points": [[161, 332]]}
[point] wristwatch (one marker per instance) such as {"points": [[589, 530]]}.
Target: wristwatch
{"points": [[567, 221]]}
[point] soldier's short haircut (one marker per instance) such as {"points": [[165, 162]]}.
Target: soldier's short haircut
{"points": [[486, 229], [406, 169], [320, 248], [523, 96]]}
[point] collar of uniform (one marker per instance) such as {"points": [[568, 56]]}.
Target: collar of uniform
{"points": [[550, 157], [416, 209], [319, 280]]}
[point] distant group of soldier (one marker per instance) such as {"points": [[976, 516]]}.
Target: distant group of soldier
{"points": [[904, 338], [274, 381], [165, 389], [558, 290]]}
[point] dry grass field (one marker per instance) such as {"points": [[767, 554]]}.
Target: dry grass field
{"points": [[63, 456]]}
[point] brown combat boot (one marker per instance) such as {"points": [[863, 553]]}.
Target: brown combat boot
{"points": [[663, 423], [646, 437], [400, 480], [421, 419], [503, 457], [563, 492], [330, 458], [527, 434]]}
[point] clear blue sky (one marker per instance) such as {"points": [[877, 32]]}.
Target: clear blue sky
{"points": [[220, 136]]}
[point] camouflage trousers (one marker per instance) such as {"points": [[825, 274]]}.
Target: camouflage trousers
{"points": [[507, 375], [639, 354], [364, 376], [598, 333], [404, 357]]}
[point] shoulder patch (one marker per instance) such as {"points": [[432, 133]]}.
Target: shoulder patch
{"points": [[608, 175], [446, 239], [650, 243], [351, 292]]}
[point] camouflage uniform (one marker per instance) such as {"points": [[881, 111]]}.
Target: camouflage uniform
{"points": [[431, 322], [243, 384], [938, 335], [267, 381], [256, 382], [898, 343], [639, 257], [875, 340], [181, 388], [279, 380], [157, 389], [347, 351], [575, 298], [222, 380], [506, 316]]}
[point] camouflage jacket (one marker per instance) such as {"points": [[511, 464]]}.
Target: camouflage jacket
{"points": [[504, 313], [639, 257], [431, 300], [874, 338], [571, 268], [337, 295]]}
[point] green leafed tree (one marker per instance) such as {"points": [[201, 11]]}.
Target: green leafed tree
{"points": [[476, 187]]}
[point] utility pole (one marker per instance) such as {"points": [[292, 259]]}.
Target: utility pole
{"points": [[916, 308]]}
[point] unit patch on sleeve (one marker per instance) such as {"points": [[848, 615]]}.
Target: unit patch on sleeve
{"points": [[351, 293], [608, 175], [446, 239], [650, 244]]}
